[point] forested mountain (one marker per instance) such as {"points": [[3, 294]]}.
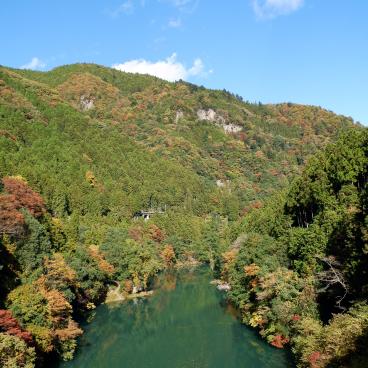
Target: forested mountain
{"points": [[85, 149], [299, 266]]}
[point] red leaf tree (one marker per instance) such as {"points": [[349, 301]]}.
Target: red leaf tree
{"points": [[11, 220], [24, 196], [18, 195], [10, 326]]}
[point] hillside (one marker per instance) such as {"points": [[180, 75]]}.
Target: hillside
{"points": [[298, 266], [251, 149], [84, 149]]}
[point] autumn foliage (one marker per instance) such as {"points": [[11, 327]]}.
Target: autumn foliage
{"points": [[24, 196], [100, 259], [314, 359], [9, 325], [156, 234], [112, 144], [136, 233], [168, 254], [57, 272], [17, 195], [11, 220], [279, 341], [60, 312]]}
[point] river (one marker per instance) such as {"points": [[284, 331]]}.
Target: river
{"points": [[185, 324]]}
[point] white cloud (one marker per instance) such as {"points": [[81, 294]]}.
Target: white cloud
{"points": [[180, 3], [125, 8], [170, 69], [267, 9], [187, 6], [174, 23], [197, 68], [34, 64]]}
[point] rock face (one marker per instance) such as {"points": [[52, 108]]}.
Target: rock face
{"points": [[213, 116], [114, 294], [232, 128], [223, 286], [179, 115], [210, 115], [86, 103]]}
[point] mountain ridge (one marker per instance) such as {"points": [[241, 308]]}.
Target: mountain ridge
{"points": [[91, 148]]}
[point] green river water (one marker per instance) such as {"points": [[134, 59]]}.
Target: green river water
{"points": [[185, 324]]}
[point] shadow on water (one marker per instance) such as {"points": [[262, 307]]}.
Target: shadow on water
{"points": [[185, 324]]}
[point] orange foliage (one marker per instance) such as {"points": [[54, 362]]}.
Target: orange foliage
{"points": [[60, 312], [251, 270], [6, 134], [156, 234], [314, 358], [256, 204], [168, 254], [242, 136], [253, 283], [273, 172], [71, 331], [259, 154], [136, 233], [101, 261], [228, 258], [11, 220], [59, 307], [24, 196], [128, 286], [279, 341]]}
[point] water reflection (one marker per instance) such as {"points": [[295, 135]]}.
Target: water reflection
{"points": [[186, 323]]}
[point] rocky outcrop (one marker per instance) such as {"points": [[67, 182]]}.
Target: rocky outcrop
{"points": [[224, 286], [210, 115], [179, 115], [221, 285], [232, 128], [115, 294], [86, 103], [214, 117]]}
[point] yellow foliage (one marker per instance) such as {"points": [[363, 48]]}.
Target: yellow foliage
{"points": [[256, 320], [43, 336], [91, 179], [9, 246]]}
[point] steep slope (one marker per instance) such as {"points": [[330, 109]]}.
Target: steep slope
{"points": [[248, 148], [85, 149], [298, 267]]}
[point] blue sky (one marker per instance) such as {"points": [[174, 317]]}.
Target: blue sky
{"points": [[303, 51]]}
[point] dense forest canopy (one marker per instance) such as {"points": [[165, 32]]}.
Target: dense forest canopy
{"points": [[299, 265], [85, 149]]}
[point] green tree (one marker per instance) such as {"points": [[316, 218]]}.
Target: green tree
{"points": [[14, 353]]}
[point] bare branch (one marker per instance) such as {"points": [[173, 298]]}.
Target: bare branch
{"points": [[333, 276]]}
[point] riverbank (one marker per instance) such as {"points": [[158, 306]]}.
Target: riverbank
{"points": [[116, 295], [186, 322]]}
